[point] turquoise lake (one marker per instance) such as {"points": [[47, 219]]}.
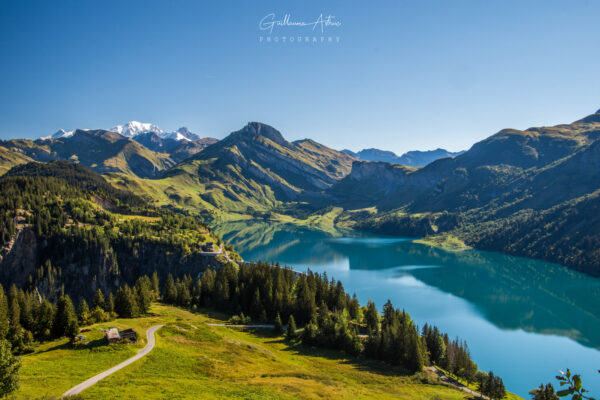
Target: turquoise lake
{"points": [[522, 319]]}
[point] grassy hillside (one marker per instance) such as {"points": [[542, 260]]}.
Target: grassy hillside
{"points": [[9, 159], [256, 169], [192, 360]]}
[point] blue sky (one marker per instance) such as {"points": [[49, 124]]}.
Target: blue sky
{"points": [[405, 75]]}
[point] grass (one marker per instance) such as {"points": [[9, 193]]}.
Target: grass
{"points": [[56, 366], [193, 360], [473, 386], [444, 241]]}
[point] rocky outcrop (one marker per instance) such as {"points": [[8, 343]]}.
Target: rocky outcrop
{"points": [[80, 268]]}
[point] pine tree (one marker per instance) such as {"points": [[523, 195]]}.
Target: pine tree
{"points": [[291, 329], [25, 305], [144, 296], [183, 297], [83, 312], [310, 333], [45, 319], [9, 369], [4, 314], [15, 330], [544, 393], [65, 321], [256, 306], [155, 286], [99, 300], [371, 316], [208, 285], [170, 294], [126, 304], [197, 293], [110, 303], [278, 326]]}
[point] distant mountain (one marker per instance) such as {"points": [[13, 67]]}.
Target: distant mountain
{"points": [[178, 150], [256, 167], [534, 193], [62, 133], [141, 149], [182, 133], [411, 158], [133, 128], [101, 150]]}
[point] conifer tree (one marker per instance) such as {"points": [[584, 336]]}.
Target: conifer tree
{"points": [[183, 297], [155, 285], [65, 321], [170, 294], [278, 326], [4, 314], [110, 303], [45, 319], [83, 312], [126, 304], [544, 392], [144, 297], [99, 301], [9, 369], [291, 329]]}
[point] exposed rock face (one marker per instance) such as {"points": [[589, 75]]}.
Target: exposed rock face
{"points": [[80, 268], [19, 259]]}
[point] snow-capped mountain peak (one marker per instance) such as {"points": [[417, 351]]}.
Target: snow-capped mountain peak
{"points": [[173, 135], [186, 133], [133, 128], [62, 133]]}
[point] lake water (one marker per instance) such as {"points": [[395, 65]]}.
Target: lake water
{"points": [[521, 318]]}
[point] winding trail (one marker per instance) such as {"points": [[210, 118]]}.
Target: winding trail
{"points": [[457, 385], [243, 326], [95, 379]]}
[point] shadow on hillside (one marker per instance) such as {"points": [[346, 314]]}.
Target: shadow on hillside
{"points": [[89, 345]]}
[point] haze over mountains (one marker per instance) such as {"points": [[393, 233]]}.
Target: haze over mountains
{"points": [[534, 192], [412, 158]]}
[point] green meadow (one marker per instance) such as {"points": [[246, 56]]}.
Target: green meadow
{"points": [[193, 360]]}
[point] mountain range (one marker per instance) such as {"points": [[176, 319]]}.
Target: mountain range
{"points": [[132, 129], [533, 192], [141, 149], [412, 158]]}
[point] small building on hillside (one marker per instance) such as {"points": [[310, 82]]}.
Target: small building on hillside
{"points": [[130, 335], [112, 335]]}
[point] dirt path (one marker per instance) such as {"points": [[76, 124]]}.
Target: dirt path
{"points": [[95, 379], [457, 385], [243, 326]]}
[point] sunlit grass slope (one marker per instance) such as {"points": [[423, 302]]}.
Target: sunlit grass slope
{"points": [[192, 360]]}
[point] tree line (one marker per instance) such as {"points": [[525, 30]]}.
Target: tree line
{"points": [[330, 317], [27, 316]]}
